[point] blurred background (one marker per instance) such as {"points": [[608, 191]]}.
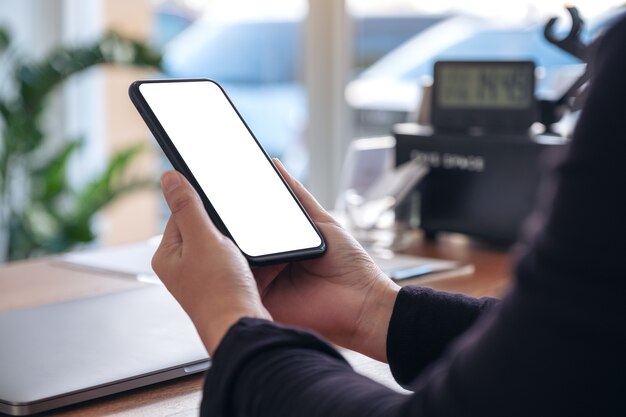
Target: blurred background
{"points": [[77, 165]]}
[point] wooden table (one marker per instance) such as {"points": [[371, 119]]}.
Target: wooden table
{"points": [[38, 282]]}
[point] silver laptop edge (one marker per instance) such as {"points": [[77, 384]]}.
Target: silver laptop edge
{"points": [[61, 354]]}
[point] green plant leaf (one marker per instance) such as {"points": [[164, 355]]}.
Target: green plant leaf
{"points": [[5, 39], [119, 50], [109, 186], [53, 174], [36, 81], [23, 243]]}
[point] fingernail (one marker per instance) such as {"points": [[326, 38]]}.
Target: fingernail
{"points": [[169, 181], [277, 162]]}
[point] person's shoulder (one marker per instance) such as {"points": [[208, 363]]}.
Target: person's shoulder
{"points": [[615, 35], [608, 51]]}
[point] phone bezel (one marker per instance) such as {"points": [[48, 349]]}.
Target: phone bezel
{"points": [[179, 164]]}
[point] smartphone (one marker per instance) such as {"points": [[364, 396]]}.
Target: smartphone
{"points": [[205, 138]]}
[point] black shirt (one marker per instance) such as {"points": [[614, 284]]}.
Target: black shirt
{"points": [[554, 346]]}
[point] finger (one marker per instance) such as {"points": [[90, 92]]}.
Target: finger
{"points": [[310, 204], [188, 212]]}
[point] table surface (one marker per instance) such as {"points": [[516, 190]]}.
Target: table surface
{"points": [[43, 281]]}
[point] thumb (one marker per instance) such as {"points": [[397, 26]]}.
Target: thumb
{"points": [[187, 209], [310, 204]]}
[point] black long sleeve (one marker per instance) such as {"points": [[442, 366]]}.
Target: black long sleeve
{"points": [[422, 325], [554, 346]]}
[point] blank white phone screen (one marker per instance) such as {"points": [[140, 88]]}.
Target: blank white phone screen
{"points": [[232, 170]]}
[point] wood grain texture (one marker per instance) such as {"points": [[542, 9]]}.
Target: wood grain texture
{"points": [[46, 281]]}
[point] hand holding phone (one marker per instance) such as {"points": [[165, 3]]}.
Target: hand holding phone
{"points": [[205, 139]]}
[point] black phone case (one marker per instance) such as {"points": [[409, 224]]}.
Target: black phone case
{"points": [[179, 164]]}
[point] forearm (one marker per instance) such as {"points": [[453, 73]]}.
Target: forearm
{"points": [[262, 369], [413, 327], [505, 365]]}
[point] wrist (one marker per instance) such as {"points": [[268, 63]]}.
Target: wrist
{"points": [[213, 331], [370, 337]]}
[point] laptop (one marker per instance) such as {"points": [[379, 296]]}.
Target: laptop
{"points": [[60, 354]]}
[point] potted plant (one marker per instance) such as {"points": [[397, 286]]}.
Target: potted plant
{"points": [[40, 212]]}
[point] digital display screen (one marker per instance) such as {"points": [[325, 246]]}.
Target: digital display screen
{"points": [[493, 86], [231, 168]]}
